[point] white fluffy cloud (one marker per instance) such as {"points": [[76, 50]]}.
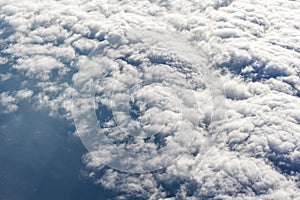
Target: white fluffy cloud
{"points": [[8, 103], [46, 46]]}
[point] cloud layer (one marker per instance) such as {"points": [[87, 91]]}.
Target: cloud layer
{"points": [[169, 47]]}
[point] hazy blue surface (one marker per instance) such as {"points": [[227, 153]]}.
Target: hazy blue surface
{"points": [[41, 159]]}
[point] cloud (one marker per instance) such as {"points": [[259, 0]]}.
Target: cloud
{"points": [[8, 103], [38, 66], [157, 45], [24, 94], [234, 90]]}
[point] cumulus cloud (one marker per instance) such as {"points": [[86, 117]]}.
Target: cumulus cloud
{"points": [[173, 51], [8, 103]]}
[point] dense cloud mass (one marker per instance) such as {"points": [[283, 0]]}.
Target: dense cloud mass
{"points": [[169, 55]]}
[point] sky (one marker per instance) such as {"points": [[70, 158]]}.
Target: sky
{"points": [[149, 99]]}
